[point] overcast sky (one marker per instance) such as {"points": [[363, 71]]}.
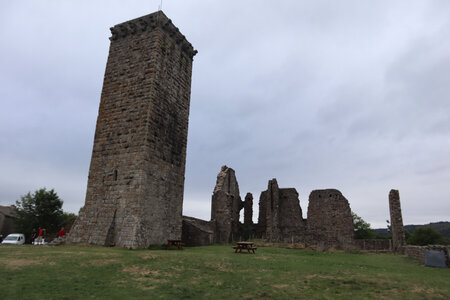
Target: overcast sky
{"points": [[353, 95]]}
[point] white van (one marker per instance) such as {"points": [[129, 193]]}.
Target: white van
{"points": [[14, 239]]}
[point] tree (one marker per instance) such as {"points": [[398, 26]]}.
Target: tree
{"points": [[68, 219], [41, 209], [362, 228], [426, 236], [407, 234]]}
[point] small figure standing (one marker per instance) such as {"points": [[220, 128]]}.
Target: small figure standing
{"points": [[61, 233], [33, 235], [39, 237]]}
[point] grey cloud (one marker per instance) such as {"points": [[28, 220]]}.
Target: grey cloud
{"points": [[352, 95]]}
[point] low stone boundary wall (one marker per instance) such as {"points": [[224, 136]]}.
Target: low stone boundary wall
{"points": [[374, 245], [418, 252]]}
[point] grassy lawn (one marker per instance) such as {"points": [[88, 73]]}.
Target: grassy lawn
{"points": [[213, 272]]}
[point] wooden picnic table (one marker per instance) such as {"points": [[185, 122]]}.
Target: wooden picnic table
{"points": [[244, 246], [174, 243]]}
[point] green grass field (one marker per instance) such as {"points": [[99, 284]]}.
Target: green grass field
{"points": [[213, 272]]}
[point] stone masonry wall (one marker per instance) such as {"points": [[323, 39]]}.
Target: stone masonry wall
{"points": [[273, 232], [291, 223], [418, 252], [329, 222], [136, 177], [262, 224], [374, 244], [280, 216], [197, 232], [398, 234], [225, 206]]}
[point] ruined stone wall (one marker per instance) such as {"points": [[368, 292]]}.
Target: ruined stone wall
{"points": [[291, 223], [280, 216], [262, 215], [225, 206], [419, 252], [416, 252], [329, 221], [398, 234], [197, 232], [136, 177], [273, 232], [374, 244]]}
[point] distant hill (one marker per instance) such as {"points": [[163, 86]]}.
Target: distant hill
{"points": [[442, 227]]}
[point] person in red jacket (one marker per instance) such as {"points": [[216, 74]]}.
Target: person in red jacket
{"points": [[61, 233], [40, 234]]}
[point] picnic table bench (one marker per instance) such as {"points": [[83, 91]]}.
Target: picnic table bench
{"points": [[244, 246], [174, 243]]}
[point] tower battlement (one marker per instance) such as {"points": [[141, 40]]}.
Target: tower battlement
{"points": [[148, 23]]}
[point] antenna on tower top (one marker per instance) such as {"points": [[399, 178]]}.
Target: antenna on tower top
{"points": [[160, 6]]}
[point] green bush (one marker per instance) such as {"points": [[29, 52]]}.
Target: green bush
{"points": [[426, 236]]}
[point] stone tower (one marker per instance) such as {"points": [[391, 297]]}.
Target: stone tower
{"points": [[136, 178], [398, 234]]}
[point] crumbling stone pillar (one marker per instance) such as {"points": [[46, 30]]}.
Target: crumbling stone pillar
{"points": [[248, 210], [225, 206], [135, 187], [272, 210], [398, 233], [248, 230], [329, 222]]}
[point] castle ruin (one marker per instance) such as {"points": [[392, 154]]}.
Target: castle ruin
{"points": [[135, 187], [329, 223]]}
